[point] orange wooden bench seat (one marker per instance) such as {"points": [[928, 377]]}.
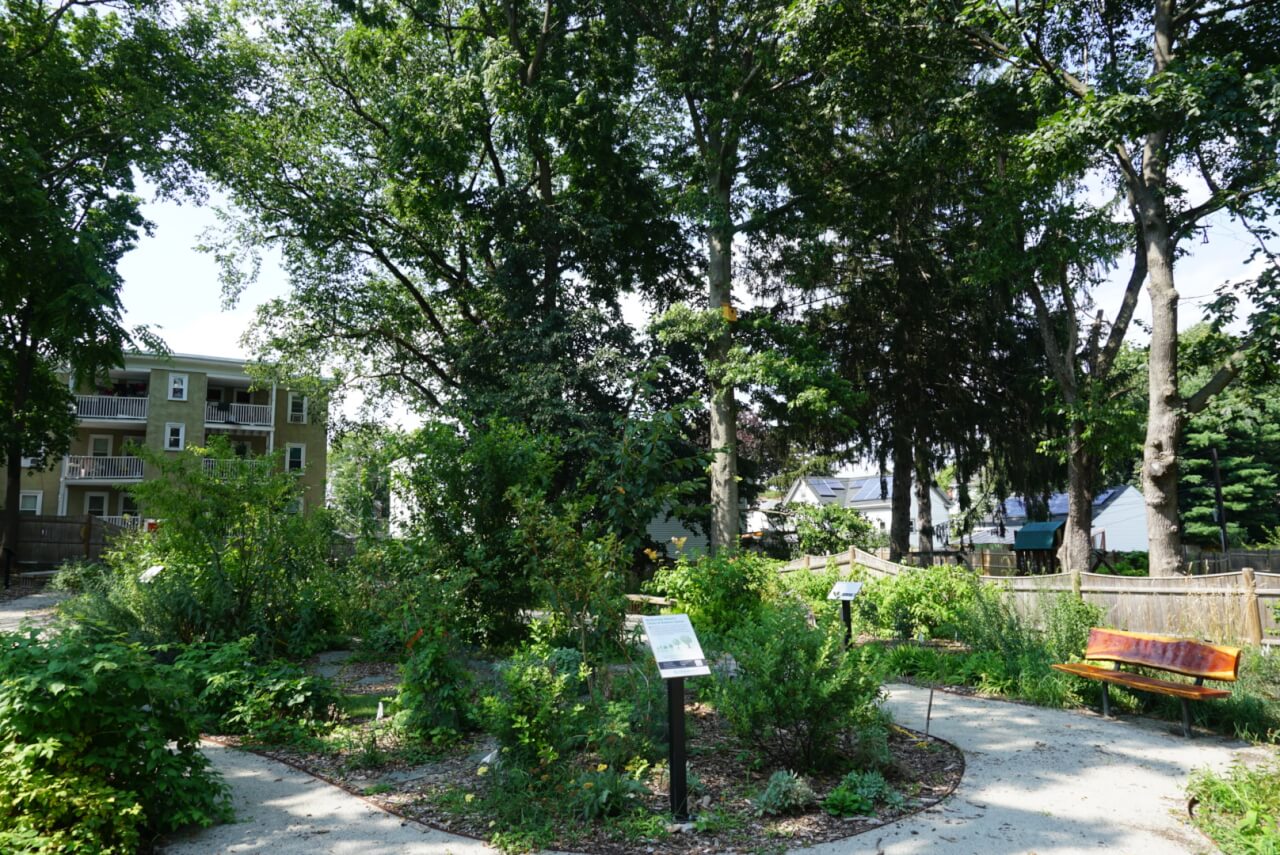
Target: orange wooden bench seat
{"points": [[1183, 656]]}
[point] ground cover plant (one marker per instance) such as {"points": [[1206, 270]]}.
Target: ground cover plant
{"points": [[1240, 809]]}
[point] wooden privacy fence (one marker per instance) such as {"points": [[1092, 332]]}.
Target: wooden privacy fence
{"points": [[49, 541], [1234, 607]]}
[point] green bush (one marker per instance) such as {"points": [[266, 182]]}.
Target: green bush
{"points": [[237, 695], [931, 601], [796, 689], [234, 561], [100, 747], [718, 592], [538, 715], [436, 689], [606, 791], [785, 793], [827, 529]]}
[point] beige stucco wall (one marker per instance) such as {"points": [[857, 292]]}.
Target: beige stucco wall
{"points": [[313, 437]]}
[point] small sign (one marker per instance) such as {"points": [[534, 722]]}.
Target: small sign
{"points": [[844, 590], [675, 646]]}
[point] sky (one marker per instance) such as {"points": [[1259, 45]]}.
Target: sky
{"points": [[174, 288]]}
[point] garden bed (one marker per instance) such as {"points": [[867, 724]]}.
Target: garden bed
{"points": [[447, 789]]}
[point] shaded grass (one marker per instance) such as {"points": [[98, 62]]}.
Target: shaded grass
{"points": [[1241, 809]]}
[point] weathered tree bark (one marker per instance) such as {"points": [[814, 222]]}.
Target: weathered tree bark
{"points": [[1076, 552], [725, 524], [900, 499], [924, 505], [13, 462]]}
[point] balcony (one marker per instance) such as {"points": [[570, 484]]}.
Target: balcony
{"points": [[82, 467], [111, 408], [230, 468], [250, 415]]}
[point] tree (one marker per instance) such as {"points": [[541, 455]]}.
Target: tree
{"points": [[89, 92], [359, 479], [1176, 100]]}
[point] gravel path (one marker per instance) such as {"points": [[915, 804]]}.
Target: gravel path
{"points": [[36, 608]]}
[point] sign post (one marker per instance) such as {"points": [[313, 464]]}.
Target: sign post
{"points": [[845, 592], [678, 654]]}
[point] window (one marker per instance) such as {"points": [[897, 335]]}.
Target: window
{"points": [[295, 457], [243, 396], [30, 502], [99, 446], [297, 409], [178, 387], [95, 504], [128, 505], [175, 436], [294, 507], [28, 463]]}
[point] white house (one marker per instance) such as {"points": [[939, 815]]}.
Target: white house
{"points": [[1119, 519], [863, 493]]}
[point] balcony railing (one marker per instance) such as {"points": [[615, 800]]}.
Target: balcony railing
{"points": [[256, 415], [81, 467], [124, 521], [111, 407], [225, 468]]}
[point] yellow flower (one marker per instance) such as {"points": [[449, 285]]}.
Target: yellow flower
{"points": [[652, 553], [588, 785], [470, 797], [602, 767], [482, 771], [679, 541]]}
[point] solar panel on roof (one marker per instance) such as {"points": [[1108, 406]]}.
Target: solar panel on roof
{"points": [[820, 487]]}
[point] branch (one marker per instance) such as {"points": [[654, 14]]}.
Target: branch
{"points": [[1228, 371], [414, 291], [1052, 349], [1127, 306]]}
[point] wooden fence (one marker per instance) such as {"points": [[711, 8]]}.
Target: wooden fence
{"points": [[1237, 607], [49, 541]]}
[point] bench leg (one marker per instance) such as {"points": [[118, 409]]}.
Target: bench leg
{"points": [[1186, 717], [1106, 701]]}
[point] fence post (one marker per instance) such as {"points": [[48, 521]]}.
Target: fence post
{"points": [[1252, 619], [808, 561], [1075, 584], [853, 558]]}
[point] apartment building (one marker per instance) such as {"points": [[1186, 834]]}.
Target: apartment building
{"points": [[168, 403]]}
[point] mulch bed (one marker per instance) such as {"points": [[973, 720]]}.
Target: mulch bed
{"points": [[429, 788]]}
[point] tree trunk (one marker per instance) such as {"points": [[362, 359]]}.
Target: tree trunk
{"points": [[1077, 537], [900, 502], [725, 524], [12, 495], [1164, 415], [924, 504]]}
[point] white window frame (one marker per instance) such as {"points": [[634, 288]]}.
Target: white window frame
{"points": [[182, 435], [28, 463], [186, 386], [39, 494], [107, 437], [106, 504], [293, 396], [302, 458]]}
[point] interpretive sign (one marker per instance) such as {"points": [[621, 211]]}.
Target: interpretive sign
{"points": [[675, 646], [844, 590]]}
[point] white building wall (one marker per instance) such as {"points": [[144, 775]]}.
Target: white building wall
{"points": [[1124, 521], [662, 529]]}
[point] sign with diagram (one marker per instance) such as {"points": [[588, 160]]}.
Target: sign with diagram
{"points": [[844, 590], [675, 646]]}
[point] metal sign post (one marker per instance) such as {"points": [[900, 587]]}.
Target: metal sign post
{"points": [[678, 654], [845, 592]]}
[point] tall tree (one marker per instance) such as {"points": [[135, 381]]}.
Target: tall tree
{"points": [[89, 92], [1176, 98]]}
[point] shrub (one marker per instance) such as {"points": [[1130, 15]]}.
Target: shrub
{"points": [[858, 794], [84, 722], [1066, 620], [1240, 810], [436, 691], [718, 592], [786, 793], [827, 529], [930, 601], [606, 791], [235, 694], [538, 715], [796, 689]]}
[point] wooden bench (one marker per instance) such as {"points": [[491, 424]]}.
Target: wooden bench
{"points": [[1175, 655], [641, 603]]}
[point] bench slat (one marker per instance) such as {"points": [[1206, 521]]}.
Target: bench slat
{"points": [[1143, 682], [1179, 655]]}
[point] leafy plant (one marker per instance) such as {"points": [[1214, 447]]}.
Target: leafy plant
{"points": [[796, 688], [858, 793], [718, 592], [827, 529], [100, 747], [785, 793], [537, 716], [930, 601], [1239, 810], [436, 689], [606, 791]]}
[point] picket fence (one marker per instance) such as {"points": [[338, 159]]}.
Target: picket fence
{"points": [[1231, 608]]}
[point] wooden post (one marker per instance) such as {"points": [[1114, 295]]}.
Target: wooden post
{"points": [[1075, 584], [853, 558], [808, 561], [1252, 618], [86, 535]]}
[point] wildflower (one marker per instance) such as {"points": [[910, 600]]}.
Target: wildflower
{"points": [[652, 553], [679, 542], [602, 767], [482, 771], [469, 798], [588, 785]]}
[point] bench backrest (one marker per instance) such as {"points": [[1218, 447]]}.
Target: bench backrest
{"points": [[1180, 655]]}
